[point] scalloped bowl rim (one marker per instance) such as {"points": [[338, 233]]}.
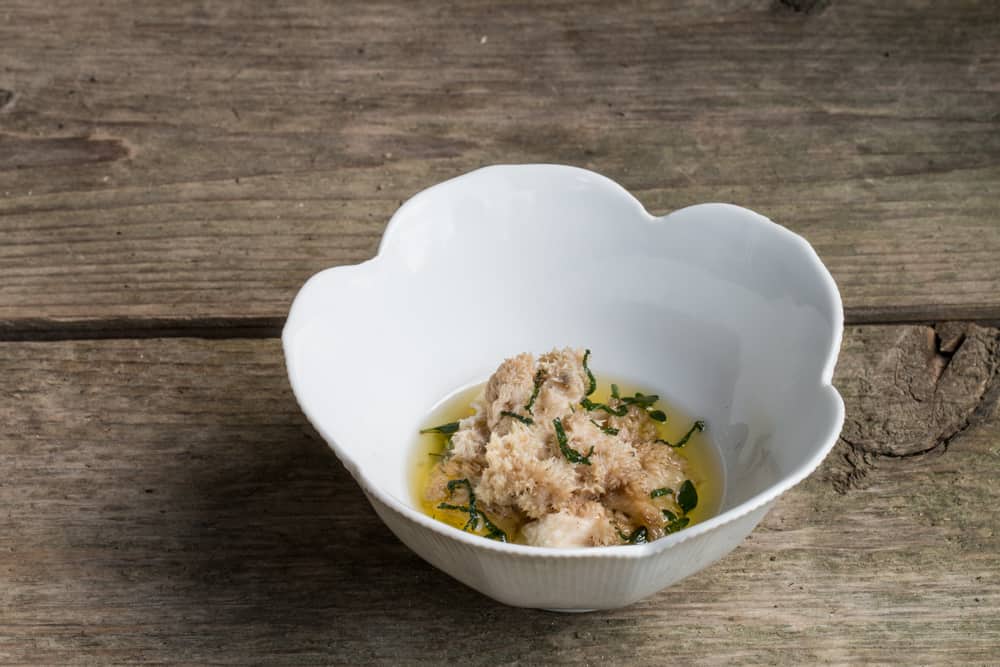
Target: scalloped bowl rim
{"points": [[616, 552]]}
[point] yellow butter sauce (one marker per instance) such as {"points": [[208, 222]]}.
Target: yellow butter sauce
{"points": [[703, 465]]}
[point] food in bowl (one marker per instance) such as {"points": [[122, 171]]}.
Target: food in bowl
{"points": [[731, 316], [542, 457]]}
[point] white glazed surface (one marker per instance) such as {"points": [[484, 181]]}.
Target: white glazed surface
{"points": [[732, 317]]}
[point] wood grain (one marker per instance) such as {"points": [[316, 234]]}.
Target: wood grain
{"points": [[163, 500], [179, 169], [195, 161]]}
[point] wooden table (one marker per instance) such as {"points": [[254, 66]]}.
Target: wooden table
{"points": [[169, 176]]}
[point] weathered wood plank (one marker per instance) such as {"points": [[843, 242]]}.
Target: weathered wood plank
{"points": [[198, 160], [164, 501]]}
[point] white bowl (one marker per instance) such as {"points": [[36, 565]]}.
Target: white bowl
{"points": [[730, 315]]}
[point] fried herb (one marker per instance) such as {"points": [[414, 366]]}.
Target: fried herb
{"points": [[591, 380], [641, 401], [445, 429], [513, 415], [539, 379], [605, 429], [638, 536], [590, 406], [687, 497], [492, 531], [687, 500], [664, 491], [644, 401], [470, 509], [475, 514], [697, 426], [675, 524], [571, 454]]}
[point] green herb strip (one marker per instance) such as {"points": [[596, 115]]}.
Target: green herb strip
{"points": [[687, 500], [470, 509], [445, 429], [513, 415], [492, 531], [639, 536], [697, 426], [687, 497], [571, 454], [642, 400], [539, 379], [676, 524], [605, 429], [590, 406], [591, 380]]}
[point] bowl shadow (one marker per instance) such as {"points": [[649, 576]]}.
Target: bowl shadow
{"points": [[267, 537]]}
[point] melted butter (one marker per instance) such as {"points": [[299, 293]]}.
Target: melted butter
{"points": [[704, 467]]}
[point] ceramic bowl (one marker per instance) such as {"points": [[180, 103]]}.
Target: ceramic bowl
{"points": [[731, 316]]}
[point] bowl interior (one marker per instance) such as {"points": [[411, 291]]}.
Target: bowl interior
{"points": [[729, 315]]}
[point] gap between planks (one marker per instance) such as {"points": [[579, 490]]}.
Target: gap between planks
{"points": [[43, 329], [47, 329]]}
